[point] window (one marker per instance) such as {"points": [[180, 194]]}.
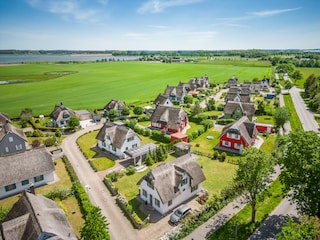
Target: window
{"points": [[19, 147], [226, 143], [6, 149], [154, 124], [233, 135], [10, 139], [38, 178], [25, 182], [134, 145], [107, 137], [184, 182], [113, 148], [130, 139], [194, 188], [157, 202], [144, 193], [238, 146], [170, 203], [150, 185], [10, 187]]}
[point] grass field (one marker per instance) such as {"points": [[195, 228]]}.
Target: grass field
{"points": [[92, 85], [294, 119], [306, 72]]}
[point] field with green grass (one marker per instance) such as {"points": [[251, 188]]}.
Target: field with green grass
{"points": [[92, 85], [306, 72]]}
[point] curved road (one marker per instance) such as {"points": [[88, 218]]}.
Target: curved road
{"points": [[119, 227]]}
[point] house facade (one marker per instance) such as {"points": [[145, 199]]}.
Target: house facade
{"points": [[237, 136], [168, 185], [238, 97], [116, 138], [61, 115], [162, 100], [170, 119], [12, 139], [18, 171]]}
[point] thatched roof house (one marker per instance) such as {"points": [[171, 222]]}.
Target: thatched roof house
{"points": [[36, 217]]}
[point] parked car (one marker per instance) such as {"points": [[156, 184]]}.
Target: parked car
{"points": [[178, 214]]}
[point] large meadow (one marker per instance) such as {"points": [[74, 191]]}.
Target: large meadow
{"points": [[40, 86]]}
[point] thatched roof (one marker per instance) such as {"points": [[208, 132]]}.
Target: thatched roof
{"points": [[61, 113], [239, 89], [8, 127], [176, 91], [20, 166], [117, 133], [34, 216], [114, 104], [166, 177], [246, 108], [243, 127], [4, 118], [242, 97], [199, 82], [161, 99], [170, 115]]}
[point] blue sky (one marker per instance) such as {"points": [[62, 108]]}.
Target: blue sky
{"points": [[159, 24]]}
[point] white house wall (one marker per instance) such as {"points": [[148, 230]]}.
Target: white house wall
{"points": [[185, 194], [47, 178]]}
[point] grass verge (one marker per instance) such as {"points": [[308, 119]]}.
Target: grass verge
{"points": [[294, 119]]}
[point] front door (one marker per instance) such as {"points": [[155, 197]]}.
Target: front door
{"points": [[150, 200]]}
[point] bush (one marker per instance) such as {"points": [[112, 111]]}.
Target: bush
{"points": [[37, 133], [130, 170], [138, 110], [220, 107], [225, 121], [143, 119], [223, 157], [50, 142]]}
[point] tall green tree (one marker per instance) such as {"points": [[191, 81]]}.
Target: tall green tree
{"points": [[301, 160], [95, 226], [296, 75], [125, 111], [281, 116], [196, 109], [253, 176]]}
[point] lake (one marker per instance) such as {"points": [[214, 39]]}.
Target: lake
{"points": [[57, 58]]}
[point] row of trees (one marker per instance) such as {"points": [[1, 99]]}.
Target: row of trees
{"points": [[312, 91]]}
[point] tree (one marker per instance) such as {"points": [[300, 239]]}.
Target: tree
{"points": [[296, 75], [149, 159], [125, 111], [196, 109], [253, 176], [138, 110], [301, 160], [211, 104], [112, 114], [94, 227], [281, 116], [188, 99], [261, 108], [308, 228], [73, 122]]}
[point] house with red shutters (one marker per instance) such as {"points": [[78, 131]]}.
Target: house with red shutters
{"points": [[169, 119], [238, 135]]}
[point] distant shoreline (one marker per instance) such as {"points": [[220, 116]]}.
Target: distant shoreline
{"points": [[90, 54]]}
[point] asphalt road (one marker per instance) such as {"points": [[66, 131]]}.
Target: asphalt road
{"points": [[306, 117], [119, 227]]}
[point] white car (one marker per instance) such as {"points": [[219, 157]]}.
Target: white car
{"points": [[178, 214]]}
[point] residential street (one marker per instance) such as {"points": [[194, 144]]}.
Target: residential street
{"points": [[306, 117], [119, 227]]}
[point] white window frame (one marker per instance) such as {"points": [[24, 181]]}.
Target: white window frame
{"points": [[226, 143]]}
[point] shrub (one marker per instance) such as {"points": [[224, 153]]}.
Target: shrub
{"points": [[36, 143], [220, 107], [138, 110], [37, 133], [50, 142], [223, 157], [143, 119], [130, 170]]}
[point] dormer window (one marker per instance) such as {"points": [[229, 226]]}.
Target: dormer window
{"points": [[66, 115], [184, 182]]}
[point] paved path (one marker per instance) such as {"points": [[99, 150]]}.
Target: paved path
{"points": [[119, 226]]}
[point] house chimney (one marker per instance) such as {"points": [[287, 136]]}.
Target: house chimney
{"points": [[31, 189]]}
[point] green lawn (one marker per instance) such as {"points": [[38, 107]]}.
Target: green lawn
{"points": [[306, 72], [268, 143], [205, 145], [90, 84], [86, 142], [193, 127], [265, 119], [294, 119], [218, 174]]}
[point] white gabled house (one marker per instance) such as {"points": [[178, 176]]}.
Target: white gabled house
{"points": [[19, 170], [170, 184], [116, 138]]}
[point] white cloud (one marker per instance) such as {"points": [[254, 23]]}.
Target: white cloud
{"points": [[156, 6], [68, 9], [268, 13]]}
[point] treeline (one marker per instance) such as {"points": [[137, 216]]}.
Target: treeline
{"points": [[250, 53]]}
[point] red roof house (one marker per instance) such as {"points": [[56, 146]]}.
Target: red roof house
{"points": [[179, 136]]}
